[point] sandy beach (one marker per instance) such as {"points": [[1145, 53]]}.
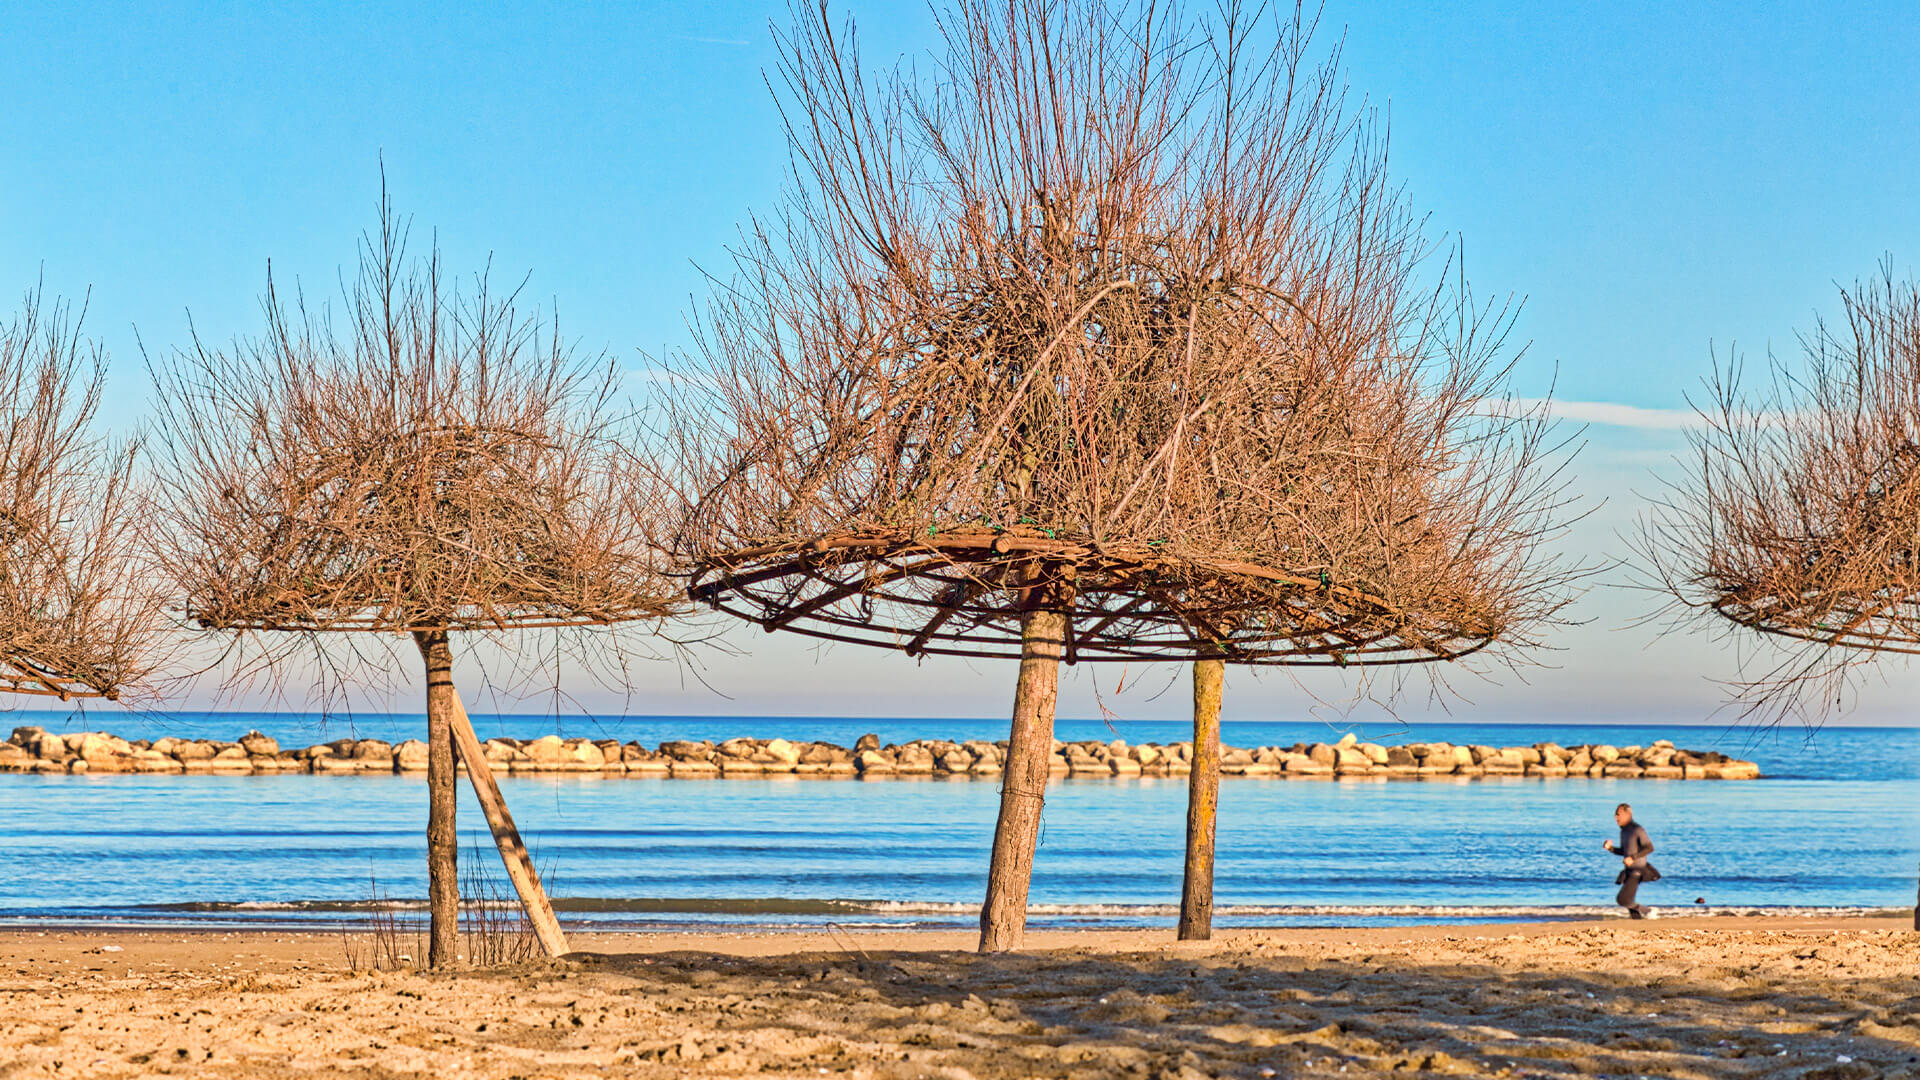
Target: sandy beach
{"points": [[1682, 997]]}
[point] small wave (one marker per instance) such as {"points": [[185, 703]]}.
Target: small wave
{"points": [[772, 907], [269, 907], [581, 905], [1381, 911]]}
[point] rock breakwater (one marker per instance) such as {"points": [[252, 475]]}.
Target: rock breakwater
{"points": [[36, 750]]}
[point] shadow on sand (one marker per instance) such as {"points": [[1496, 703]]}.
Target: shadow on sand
{"points": [[1244, 1013]]}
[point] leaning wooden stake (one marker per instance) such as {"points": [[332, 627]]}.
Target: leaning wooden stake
{"points": [[1003, 918], [520, 868], [450, 734], [1203, 801]]}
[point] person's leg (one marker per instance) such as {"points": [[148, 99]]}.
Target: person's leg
{"points": [[1628, 889]]}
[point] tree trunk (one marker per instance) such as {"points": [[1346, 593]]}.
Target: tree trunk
{"points": [[1003, 918], [506, 837], [443, 840], [1203, 801]]}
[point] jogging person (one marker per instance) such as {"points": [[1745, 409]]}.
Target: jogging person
{"points": [[1635, 845]]}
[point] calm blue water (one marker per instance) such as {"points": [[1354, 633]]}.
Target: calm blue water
{"points": [[1835, 825]]}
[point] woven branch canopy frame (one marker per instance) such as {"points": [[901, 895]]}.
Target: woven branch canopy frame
{"points": [[962, 593], [370, 620], [523, 608], [293, 612], [21, 673], [1886, 619]]}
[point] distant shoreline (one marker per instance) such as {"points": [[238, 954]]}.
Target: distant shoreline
{"points": [[56, 720], [33, 749]]}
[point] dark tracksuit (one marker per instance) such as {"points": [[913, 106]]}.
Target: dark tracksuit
{"points": [[1634, 844]]}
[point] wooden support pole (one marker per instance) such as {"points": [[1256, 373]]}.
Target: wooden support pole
{"points": [[506, 837], [443, 839], [1203, 802], [1003, 917]]}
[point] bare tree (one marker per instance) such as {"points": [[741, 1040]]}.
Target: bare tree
{"points": [[437, 463], [1799, 516], [1102, 341], [79, 614]]}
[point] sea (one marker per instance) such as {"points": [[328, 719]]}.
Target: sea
{"points": [[1832, 828]]}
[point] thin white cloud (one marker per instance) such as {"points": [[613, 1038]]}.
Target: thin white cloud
{"points": [[1614, 414]]}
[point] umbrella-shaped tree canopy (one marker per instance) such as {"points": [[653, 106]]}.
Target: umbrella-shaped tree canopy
{"points": [[431, 463], [79, 616], [1800, 516], [1116, 316]]}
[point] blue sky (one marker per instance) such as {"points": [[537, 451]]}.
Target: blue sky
{"points": [[1654, 180]]}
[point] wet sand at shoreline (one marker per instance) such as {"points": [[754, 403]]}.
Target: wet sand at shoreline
{"points": [[1685, 997]]}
